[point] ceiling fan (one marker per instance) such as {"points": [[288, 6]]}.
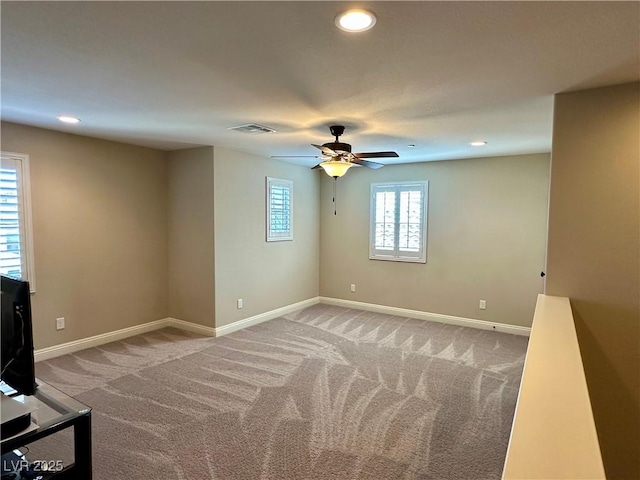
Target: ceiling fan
{"points": [[338, 158]]}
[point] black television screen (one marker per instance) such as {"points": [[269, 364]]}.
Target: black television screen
{"points": [[17, 337]]}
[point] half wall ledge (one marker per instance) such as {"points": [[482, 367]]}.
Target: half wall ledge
{"points": [[554, 433]]}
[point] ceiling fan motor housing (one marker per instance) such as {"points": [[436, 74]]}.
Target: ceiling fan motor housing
{"points": [[338, 146], [336, 131]]}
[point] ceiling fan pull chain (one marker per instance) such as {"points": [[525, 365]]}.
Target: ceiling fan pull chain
{"points": [[335, 208]]}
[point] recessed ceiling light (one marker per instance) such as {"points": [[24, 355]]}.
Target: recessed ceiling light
{"points": [[68, 119], [478, 144], [355, 20]]}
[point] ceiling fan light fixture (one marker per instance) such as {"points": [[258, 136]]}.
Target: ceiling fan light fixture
{"points": [[336, 168], [355, 20]]}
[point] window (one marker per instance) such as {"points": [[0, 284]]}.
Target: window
{"points": [[16, 238], [279, 209], [399, 221]]}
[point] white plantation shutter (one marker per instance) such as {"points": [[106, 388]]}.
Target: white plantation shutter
{"points": [[399, 221], [16, 242], [279, 209]]}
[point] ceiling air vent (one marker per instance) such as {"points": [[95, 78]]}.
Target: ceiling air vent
{"points": [[253, 128]]}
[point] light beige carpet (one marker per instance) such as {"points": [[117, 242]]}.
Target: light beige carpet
{"points": [[325, 393]]}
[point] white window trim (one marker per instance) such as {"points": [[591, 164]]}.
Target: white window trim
{"points": [[25, 193], [270, 181], [373, 254]]}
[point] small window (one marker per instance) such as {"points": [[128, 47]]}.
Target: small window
{"points": [[399, 221], [279, 209], [16, 238]]}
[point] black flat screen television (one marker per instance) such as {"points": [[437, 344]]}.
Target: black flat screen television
{"points": [[17, 337]]}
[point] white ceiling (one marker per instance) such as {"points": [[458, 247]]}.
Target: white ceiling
{"points": [[435, 74]]}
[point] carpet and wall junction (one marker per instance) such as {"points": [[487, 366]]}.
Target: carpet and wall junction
{"points": [[323, 393]]}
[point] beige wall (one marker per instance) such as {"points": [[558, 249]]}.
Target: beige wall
{"points": [[486, 239], [594, 259], [100, 232], [190, 262], [266, 275]]}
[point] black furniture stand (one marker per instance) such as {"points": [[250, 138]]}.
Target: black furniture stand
{"points": [[53, 411]]}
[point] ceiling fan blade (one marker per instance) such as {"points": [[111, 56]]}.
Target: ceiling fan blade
{"points": [[295, 156], [376, 155], [366, 163], [317, 166], [325, 150]]}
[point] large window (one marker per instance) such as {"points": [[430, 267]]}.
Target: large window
{"points": [[16, 239], [399, 221], [279, 209]]}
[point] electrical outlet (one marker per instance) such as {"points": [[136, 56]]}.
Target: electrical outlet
{"points": [[240, 304], [60, 323], [353, 287], [483, 304]]}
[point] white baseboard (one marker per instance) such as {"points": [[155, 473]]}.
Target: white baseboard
{"points": [[263, 317], [434, 317], [77, 345], [84, 343], [192, 327]]}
